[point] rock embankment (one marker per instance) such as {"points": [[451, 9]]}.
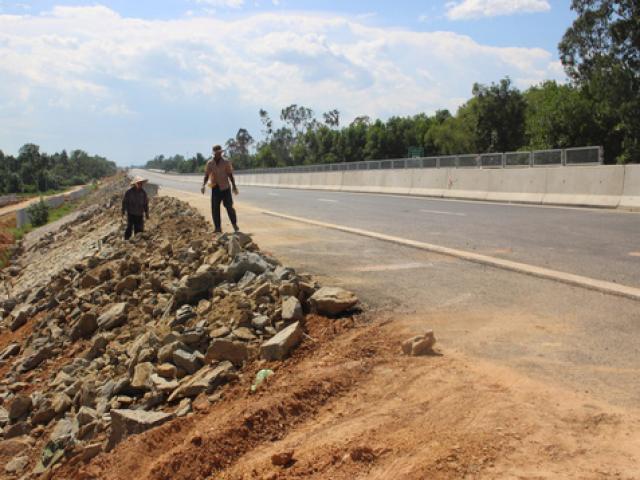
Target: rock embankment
{"points": [[109, 338]]}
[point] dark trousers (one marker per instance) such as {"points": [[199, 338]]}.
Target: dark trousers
{"points": [[224, 196], [135, 223]]}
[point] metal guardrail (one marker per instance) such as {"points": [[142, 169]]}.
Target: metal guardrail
{"points": [[538, 158]]}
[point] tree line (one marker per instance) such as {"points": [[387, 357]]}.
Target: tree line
{"points": [[33, 171], [600, 105]]}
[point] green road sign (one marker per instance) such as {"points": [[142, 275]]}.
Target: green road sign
{"points": [[415, 152]]}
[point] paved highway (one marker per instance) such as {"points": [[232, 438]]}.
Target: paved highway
{"points": [[601, 244]]}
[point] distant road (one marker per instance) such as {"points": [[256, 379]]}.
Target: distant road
{"points": [[25, 203], [601, 244]]}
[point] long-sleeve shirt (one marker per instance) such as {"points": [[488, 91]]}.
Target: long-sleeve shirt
{"points": [[135, 202]]}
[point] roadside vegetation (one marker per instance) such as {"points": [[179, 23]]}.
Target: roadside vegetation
{"points": [[41, 216], [36, 172], [600, 105]]}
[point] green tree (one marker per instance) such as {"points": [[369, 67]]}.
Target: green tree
{"points": [[13, 183], [298, 117], [332, 118], [38, 213], [238, 148], [601, 54], [500, 111], [559, 116], [453, 135]]}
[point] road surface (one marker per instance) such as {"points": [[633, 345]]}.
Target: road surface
{"points": [[601, 244]]}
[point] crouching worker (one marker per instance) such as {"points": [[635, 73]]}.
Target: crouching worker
{"points": [[135, 205]]}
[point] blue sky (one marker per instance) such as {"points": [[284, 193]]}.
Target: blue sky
{"points": [[130, 80]]}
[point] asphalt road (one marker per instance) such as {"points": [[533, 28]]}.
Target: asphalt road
{"points": [[601, 244]]}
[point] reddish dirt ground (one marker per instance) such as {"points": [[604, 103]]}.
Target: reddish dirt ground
{"points": [[350, 406]]}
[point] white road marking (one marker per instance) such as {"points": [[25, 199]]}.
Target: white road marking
{"points": [[327, 200], [392, 267], [441, 212], [273, 194], [602, 286]]}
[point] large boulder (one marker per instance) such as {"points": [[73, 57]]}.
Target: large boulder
{"points": [[98, 347], [291, 310], [223, 349], [332, 300], [141, 379], [131, 422], [279, 346], [189, 362], [11, 350], [194, 287], [20, 407], [20, 316], [129, 283], [89, 281], [114, 317], [206, 380], [85, 327], [246, 262], [34, 359], [44, 413]]}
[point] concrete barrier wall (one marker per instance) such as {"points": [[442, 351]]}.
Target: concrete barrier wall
{"points": [[601, 186], [525, 185], [7, 199], [596, 186], [631, 189], [22, 217], [467, 183]]}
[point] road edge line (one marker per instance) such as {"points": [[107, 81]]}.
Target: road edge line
{"points": [[601, 286]]}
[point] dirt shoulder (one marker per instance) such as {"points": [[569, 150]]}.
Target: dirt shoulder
{"points": [[349, 405]]}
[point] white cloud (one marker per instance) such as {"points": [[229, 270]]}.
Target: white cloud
{"points": [[92, 61], [469, 9], [222, 3]]}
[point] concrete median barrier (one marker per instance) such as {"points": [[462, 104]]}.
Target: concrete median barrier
{"points": [[631, 190], [326, 180], [599, 186], [429, 182], [521, 185], [467, 184], [378, 181], [594, 186], [362, 181]]}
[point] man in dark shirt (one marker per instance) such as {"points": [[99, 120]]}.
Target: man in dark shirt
{"points": [[136, 205]]}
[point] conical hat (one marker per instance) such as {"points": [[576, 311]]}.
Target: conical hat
{"points": [[138, 179]]}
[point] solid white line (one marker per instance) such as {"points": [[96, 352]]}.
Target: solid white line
{"points": [[440, 212], [540, 272]]}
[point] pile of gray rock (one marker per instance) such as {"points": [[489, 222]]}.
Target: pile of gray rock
{"points": [[130, 335]]}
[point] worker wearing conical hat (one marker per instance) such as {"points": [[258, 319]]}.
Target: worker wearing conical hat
{"points": [[135, 205]]}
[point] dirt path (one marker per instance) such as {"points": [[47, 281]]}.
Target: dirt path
{"points": [[350, 406], [17, 206]]}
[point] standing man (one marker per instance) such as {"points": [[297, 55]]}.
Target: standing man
{"points": [[219, 173], [136, 205]]}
